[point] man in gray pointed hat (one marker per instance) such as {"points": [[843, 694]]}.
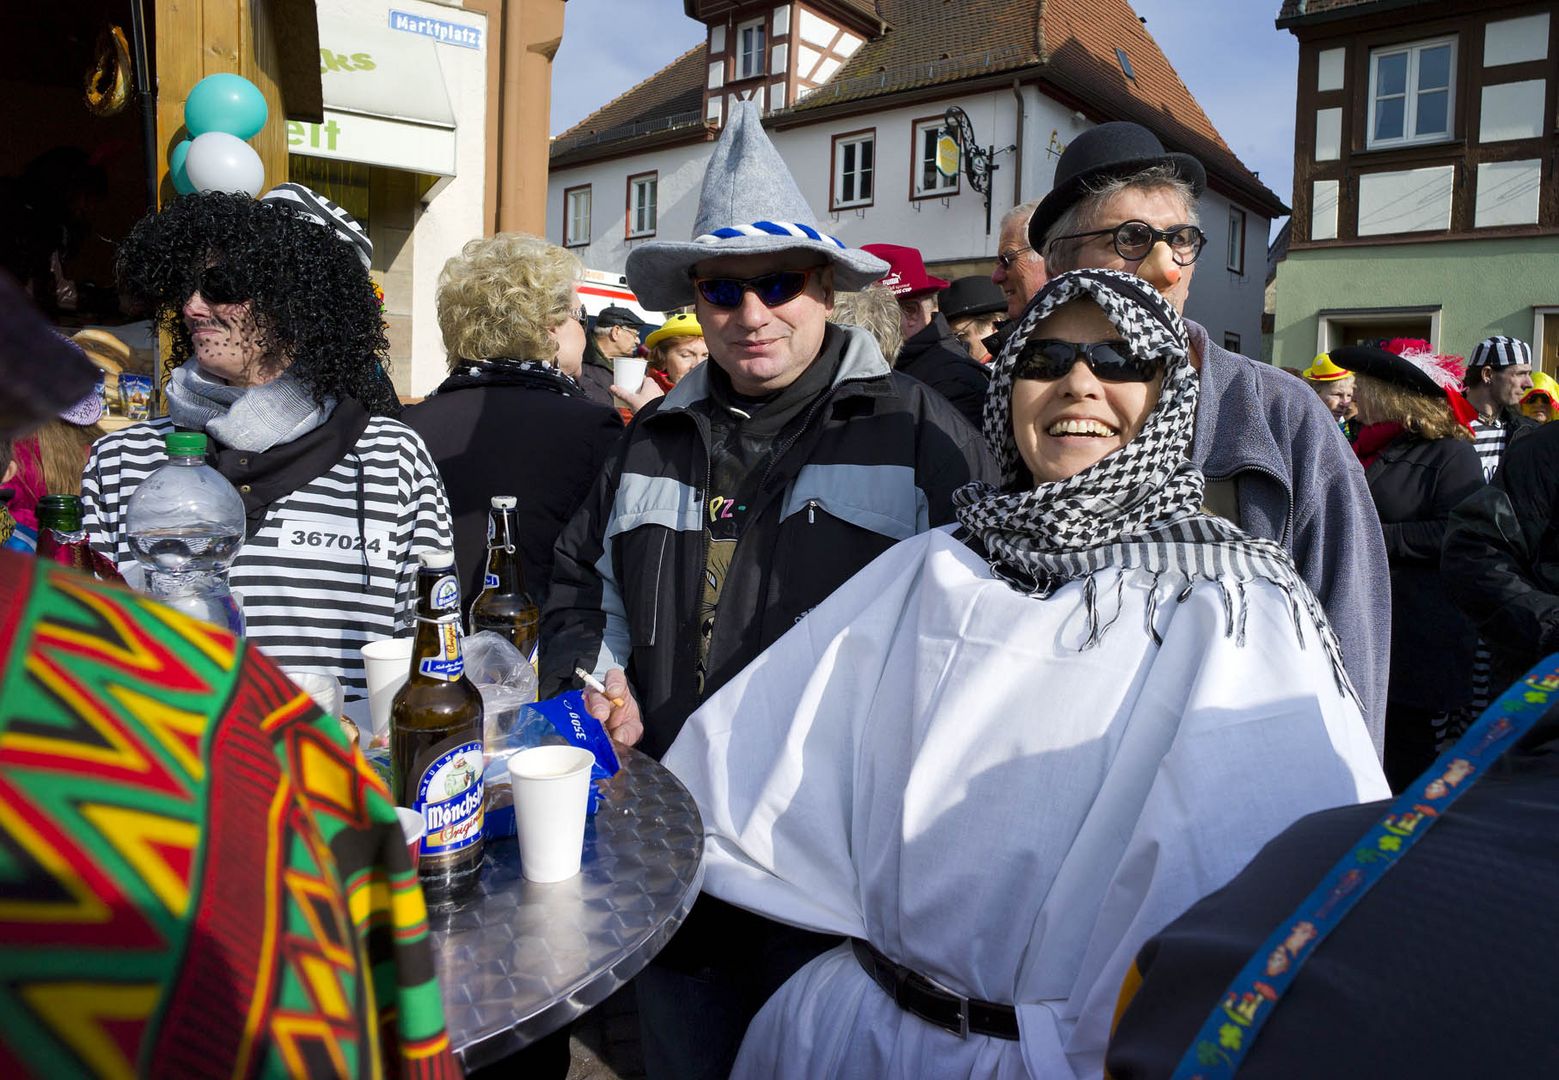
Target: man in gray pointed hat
{"points": [[734, 505]]}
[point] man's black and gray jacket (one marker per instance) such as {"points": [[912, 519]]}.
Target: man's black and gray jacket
{"points": [[874, 459]]}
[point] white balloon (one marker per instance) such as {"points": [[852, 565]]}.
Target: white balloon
{"points": [[218, 161]]}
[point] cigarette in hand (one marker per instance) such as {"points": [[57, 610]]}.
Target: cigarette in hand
{"points": [[595, 684]]}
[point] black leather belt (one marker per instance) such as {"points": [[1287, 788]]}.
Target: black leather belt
{"points": [[933, 1002]]}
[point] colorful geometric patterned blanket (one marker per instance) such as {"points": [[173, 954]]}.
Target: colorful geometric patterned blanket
{"points": [[198, 875]]}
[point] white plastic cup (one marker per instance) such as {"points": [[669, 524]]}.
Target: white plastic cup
{"points": [[387, 664], [628, 373], [551, 788], [414, 827], [324, 689]]}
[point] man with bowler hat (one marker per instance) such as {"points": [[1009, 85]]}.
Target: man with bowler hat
{"points": [[764, 480], [1274, 462], [930, 352]]}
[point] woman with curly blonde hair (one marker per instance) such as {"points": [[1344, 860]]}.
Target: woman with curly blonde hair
{"points": [[1419, 463], [510, 318]]}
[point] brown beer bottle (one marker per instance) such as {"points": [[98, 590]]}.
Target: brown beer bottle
{"points": [[503, 605], [436, 737]]}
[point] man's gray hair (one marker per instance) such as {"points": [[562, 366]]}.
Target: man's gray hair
{"points": [[1079, 217], [876, 310], [1022, 212]]}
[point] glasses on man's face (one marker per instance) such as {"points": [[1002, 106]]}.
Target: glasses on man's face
{"points": [[1134, 239], [1112, 361], [772, 290], [221, 285], [1005, 259]]}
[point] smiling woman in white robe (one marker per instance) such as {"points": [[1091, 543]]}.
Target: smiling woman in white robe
{"points": [[1007, 763]]}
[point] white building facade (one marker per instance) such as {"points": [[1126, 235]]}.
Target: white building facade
{"points": [[861, 148]]}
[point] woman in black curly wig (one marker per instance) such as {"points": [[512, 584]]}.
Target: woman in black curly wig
{"points": [[277, 340], [314, 308]]}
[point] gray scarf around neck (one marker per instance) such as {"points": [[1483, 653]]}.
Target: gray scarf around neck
{"points": [[252, 418], [1138, 508]]}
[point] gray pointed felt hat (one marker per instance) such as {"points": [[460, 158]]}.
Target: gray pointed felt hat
{"points": [[749, 205]]}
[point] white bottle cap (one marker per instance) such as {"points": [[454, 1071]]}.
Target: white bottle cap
{"points": [[504, 502], [436, 558]]}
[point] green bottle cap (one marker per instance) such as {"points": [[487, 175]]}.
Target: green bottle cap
{"points": [[187, 443]]}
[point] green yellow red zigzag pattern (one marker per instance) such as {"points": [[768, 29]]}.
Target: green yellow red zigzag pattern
{"points": [[193, 863]]}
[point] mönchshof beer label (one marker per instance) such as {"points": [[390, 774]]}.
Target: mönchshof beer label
{"points": [[448, 663], [446, 594], [489, 581], [451, 796]]}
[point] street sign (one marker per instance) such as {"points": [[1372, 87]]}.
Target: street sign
{"points": [[947, 155]]}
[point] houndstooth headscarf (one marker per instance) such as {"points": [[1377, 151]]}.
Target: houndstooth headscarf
{"points": [[1138, 508]]}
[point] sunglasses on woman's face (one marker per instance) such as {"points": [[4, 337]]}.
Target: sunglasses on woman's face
{"points": [[772, 290], [222, 285], [1111, 361]]}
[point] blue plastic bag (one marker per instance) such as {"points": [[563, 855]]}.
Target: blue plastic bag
{"points": [[557, 721]]}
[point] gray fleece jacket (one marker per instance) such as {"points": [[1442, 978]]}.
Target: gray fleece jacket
{"points": [[1298, 482]]}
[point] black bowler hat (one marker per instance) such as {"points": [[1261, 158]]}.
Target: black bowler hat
{"points": [[1386, 366], [1119, 148], [973, 295]]}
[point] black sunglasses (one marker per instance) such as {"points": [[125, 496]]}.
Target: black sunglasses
{"points": [[1112, 361], [1134, 239], [221, 285], [772, 290]]}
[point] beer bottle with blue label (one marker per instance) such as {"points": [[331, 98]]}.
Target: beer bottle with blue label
{"points": [[436, 737], [504, 605]]}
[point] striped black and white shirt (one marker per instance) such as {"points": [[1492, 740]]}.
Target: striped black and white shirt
{"points": [[1489, 441], [318, 580]]}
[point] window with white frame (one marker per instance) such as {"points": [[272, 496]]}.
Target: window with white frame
{"points": [[854, 169], [1412, 91], [576, 216], [928, 181], [1236, 253], [641, 204], [750, 52]]}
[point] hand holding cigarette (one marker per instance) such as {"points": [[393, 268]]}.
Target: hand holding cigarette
{"points": [[613, 704]]}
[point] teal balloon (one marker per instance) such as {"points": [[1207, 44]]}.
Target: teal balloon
{"points": [[227, 103], [181, 181]]}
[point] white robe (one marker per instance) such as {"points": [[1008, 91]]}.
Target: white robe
{"points": [[928, 761]]}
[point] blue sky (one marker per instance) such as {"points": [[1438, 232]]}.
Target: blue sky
{"points": [[1237, 64]]}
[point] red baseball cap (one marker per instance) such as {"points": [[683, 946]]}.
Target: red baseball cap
{"points": [[906, 274]]}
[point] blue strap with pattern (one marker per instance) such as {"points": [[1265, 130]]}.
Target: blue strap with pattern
{"points": [[1229, 1032]]}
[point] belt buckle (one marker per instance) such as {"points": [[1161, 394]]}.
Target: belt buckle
{"points": [[907, 977]]}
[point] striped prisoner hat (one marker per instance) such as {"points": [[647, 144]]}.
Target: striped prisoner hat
{"points": [[1500, 351], [322, 211]]}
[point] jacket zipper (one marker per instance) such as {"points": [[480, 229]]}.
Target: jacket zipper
{"points": [[811, 511], [1286, 540]]}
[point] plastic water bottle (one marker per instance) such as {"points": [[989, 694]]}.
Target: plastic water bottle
{"points": [[186, 524]]}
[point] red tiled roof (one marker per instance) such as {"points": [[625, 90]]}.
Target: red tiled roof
{"points": [[675, 89], [1068, 44], [1078, 43]]}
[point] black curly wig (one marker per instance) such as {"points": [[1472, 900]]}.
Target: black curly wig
{"points": [[312, 298]]}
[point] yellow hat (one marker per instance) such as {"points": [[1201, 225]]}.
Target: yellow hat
{"points": [[1543, 385], [1323, 370], [684, 325]]}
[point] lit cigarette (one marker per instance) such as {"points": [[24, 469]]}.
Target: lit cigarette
{"points": [[595, 684]]}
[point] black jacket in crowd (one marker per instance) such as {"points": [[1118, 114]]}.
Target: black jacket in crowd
{"points": [[1501, 555], [937, 358], [1416, 483], [498, 429], [876, 460], [595, 374]]}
